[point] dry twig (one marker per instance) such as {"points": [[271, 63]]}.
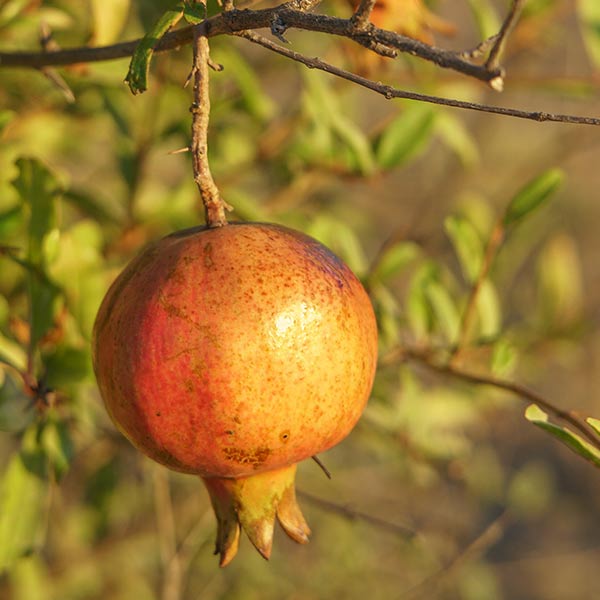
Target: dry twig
{"points": [[214, 205]]}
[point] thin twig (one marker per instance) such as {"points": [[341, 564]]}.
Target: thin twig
{"points": [[485, 540], [322, 466], [214, 206], [357, 515], [389, 92], [493, 61], [362, 14], [517, 389], [303, 5]]}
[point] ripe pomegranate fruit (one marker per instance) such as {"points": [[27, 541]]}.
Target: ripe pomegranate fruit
{"points": [[234, 353]]}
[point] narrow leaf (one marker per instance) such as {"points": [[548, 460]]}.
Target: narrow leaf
{"points": [[576, 443], [395, 259], [444, 309], [533, 195], [405, 137], [594, 424], [38, 188], [467, 245], [137, 76]]}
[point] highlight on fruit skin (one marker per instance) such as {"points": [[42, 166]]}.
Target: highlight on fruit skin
{"points": [[234, 353]]}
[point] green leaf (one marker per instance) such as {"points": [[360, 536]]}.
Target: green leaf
{"points": [[504, 358], [467, 244], [418, 307], [455, 134], [14, 413], [406, 136], [255, 100], [594, 424], [539, 418], [38, 189], [139, 67], [444, 310], [109, 18], [342, 240], [533, 195], [6, 116], [194, 13], [394, 259], [488, 310], [58, 446], [22, 500], [10, 221], [327, 111]]}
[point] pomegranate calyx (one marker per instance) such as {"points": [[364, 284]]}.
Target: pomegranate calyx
{"points": [[252, 504]]}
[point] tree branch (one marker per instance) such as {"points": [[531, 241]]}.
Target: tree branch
{"points": [[234, 21], [214, 206], [493, 61], [240, 21], [390, 92], [517, 389], [362, 14], [355, 515]]}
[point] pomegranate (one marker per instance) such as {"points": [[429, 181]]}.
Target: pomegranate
{"points": [[233, 353]]}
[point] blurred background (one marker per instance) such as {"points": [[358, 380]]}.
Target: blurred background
{"points": [[444, 489]]}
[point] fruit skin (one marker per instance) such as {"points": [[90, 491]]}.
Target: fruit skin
{"points": [[233, 351]]}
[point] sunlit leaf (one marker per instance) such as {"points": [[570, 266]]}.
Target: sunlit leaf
{"points": [[594, 424], [575, 442], [533, 195], [488, 310], [109, 18], [406, 136], [504, 358]]}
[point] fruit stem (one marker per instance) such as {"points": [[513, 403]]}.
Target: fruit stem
{"points": [[214, 205], [252, 503]]}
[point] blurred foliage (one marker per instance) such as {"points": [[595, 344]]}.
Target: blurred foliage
{"points": [[423, 202]]}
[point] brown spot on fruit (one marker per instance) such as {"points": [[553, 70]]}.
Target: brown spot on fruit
{"points": [[254, 458]]}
